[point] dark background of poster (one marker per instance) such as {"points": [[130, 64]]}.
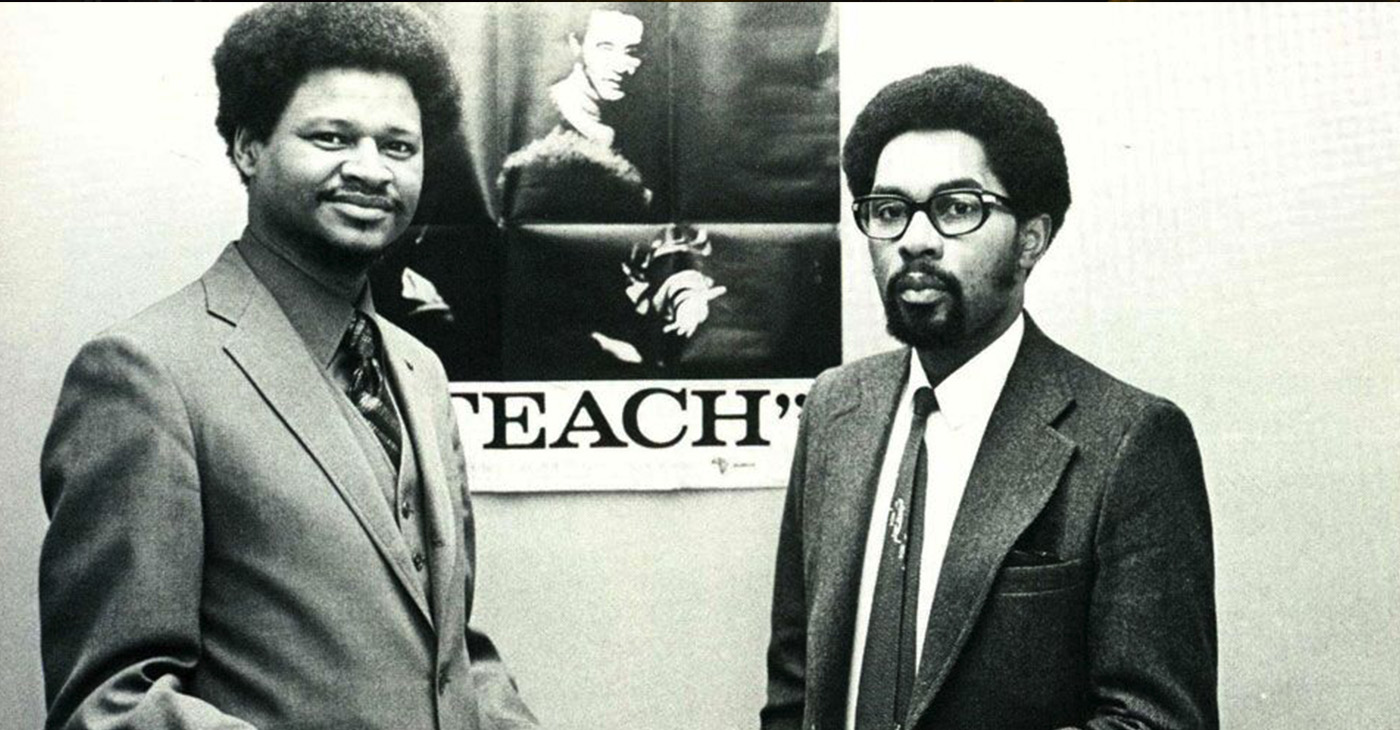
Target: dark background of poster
{"points": [[755, 113], [465, 263]]}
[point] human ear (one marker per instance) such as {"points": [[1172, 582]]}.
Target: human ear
{"points": [[246, 152], [1033, 240]]}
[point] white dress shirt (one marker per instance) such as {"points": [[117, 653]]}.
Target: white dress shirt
{"points": [[952, 438]]}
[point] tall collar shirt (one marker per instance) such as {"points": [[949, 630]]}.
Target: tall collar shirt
{"points": [[319, 309]]}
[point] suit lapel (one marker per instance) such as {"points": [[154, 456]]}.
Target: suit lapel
{"points": [[415, 401], [272, 356], [858, 433], [1016, 470]]}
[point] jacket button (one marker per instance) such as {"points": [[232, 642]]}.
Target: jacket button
{"points": [[419, 561]]}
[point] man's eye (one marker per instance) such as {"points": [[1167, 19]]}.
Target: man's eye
{"points": [[401, 150], [891, 211], [956, 208], [330, 140]]}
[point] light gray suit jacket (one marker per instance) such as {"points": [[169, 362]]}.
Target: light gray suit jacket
{"points": [[1078, 585], [220, 553]]}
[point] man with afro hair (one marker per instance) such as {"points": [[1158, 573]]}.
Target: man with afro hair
{"points": [[259, 514], [982, 530]]}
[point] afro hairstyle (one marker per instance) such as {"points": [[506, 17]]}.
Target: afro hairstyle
{"points": [[1020, 139], [268, 51]]}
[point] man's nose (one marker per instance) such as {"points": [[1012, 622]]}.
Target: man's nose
{"points": [[921, 238], [366, 164]]}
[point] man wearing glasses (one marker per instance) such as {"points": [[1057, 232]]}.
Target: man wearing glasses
{"points": [[983, 530]]}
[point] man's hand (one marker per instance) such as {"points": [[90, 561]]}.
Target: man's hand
{"points": [[692, 305]]}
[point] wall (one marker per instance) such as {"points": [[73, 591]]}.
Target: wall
{"points": [[1236, 174]]}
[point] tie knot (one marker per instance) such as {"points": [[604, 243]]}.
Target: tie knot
{"points": [[360, 338], [925, 403]]}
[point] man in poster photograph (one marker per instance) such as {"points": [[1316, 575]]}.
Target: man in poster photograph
{"points": [[577, 171], [982, 530], [258, 505]]}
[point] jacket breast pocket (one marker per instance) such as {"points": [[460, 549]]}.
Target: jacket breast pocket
{"points": [[1033, 579]]}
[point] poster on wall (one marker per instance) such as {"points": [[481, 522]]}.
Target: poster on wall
{"points": [[630, 264]]}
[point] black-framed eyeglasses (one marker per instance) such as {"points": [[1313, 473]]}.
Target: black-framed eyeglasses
{"points": [[957, 212]]}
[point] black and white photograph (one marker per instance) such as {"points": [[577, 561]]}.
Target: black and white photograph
{"points": [[700, 365], [663, 186]]}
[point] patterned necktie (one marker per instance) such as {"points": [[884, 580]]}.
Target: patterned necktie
{"points": [[368, 388], [887, 670]]}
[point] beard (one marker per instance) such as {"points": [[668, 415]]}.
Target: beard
{"points": [[920, 325]]}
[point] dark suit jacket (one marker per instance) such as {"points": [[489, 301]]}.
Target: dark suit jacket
{"points": [[220, 554], [1078, 586]]}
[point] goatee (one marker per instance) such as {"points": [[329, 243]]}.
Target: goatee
{"points": [[917, 324]]}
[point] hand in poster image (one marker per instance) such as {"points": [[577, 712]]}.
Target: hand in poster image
{"points": [[680, 300], [669, 292]]}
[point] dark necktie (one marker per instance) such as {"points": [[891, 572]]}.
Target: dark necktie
{"points": [[368, 389], [887, 670]]}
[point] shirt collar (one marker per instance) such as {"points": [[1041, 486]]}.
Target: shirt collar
{"points": [[969, 394], [318, 311]]}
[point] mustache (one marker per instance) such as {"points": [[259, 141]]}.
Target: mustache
{"points": [[362, 197], [926, 269]]}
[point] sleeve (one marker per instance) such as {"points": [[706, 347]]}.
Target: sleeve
{"points": [[787, 649], [1152, 618], [497, 696], [121, 567]]}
